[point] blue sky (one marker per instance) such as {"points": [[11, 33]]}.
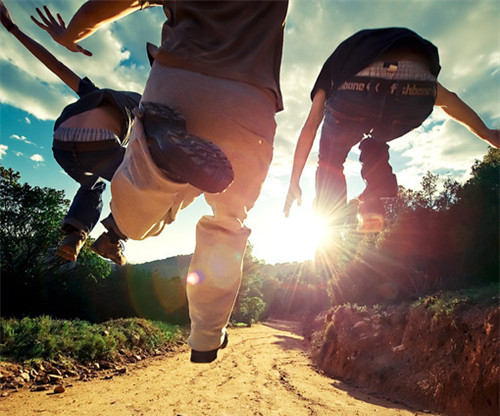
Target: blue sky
{"points": [[465, 31]]}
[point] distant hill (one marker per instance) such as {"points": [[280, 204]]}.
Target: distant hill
{"points": [[178, 266], [170, 267]]}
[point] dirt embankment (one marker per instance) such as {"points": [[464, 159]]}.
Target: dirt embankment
{"points": [[447, 363], [264, 371]]}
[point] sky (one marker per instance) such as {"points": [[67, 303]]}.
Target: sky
{"points": [[466, 32]]}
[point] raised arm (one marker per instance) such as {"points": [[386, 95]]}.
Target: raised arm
{"points": [[303, 148], [71, 79], [462, 113], [88, 18]]}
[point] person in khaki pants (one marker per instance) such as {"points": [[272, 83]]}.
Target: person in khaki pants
{"points": [[218, 65]]}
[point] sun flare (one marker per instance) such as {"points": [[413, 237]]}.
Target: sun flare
{"points": [[296, 238]]}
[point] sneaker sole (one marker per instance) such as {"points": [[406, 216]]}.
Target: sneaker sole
{"points": [[186, 158], [205, 357], [183, 157], [370, 227]]}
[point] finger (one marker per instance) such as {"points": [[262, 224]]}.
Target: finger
{"points": [[42, 16], [299, 200], [83, 50], [61, 21], [49, 15], [288, 204], [39, 23], [286, 210]]}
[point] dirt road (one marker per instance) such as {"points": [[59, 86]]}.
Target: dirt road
{"points": [[264, 371]]}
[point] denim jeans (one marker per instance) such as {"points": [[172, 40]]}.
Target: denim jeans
{"points": [[89, 168], [350, 117]]}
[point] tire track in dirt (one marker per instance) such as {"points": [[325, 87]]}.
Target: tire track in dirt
{"points": [[264, 371]]}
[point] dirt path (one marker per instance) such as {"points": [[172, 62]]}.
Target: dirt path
{"points": [[264, 371]]}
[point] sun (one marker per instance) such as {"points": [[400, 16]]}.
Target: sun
{"points": [[294, 239]]}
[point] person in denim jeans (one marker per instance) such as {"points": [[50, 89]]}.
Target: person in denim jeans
{"points": [[89, 140], [378, 85]]}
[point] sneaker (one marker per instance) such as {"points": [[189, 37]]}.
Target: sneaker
{"points": [[208, 356], [183, 157], [70, 247], [109, 250], [370, 223], [371, 214]]}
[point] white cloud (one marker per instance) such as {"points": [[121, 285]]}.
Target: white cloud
{"points": [[37, 158], [27, 120], [27, 84], [21, 138], [3, 150]]}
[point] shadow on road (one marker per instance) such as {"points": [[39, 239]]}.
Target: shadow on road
{"points": [[294, 327]]}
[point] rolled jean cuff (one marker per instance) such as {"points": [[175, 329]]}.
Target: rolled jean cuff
{"points": [[110, 224], [76, 223]]}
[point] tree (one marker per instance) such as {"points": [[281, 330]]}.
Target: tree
{"points": [[433, 241], [475, 220], [429, 188], [30, 218], [29, 224], [250, 306], [448, 196]]}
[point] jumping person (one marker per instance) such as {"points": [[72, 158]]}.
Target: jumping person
{"points": [[219, 65], [89, 140], [378, 85]]}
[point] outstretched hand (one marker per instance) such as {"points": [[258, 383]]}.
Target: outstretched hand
{"points": [[294, 193], [57, 29], [5, 17]]}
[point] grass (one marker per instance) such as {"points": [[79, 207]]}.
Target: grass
{"points": [[448, 303], [51, 339]]}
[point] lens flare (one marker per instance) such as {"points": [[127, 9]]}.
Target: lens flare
{"points": [[194, 278]]}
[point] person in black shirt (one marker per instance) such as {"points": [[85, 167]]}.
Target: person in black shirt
{"points": [[378, 85]]}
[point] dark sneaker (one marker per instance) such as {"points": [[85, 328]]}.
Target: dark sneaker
{"points": [[208, 356], [371, 213], [109, 250], [183, 157], [370, 223], [70, 247]]}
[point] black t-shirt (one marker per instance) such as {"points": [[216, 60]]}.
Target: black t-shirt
{"points": [[364, 47], [92, 97], [237, 40]]}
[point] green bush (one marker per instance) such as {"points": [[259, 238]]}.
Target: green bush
{"points": [[46, 338], [250, 310]]}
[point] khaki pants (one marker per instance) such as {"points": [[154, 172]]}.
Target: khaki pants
{"points": [[239, 118]]}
